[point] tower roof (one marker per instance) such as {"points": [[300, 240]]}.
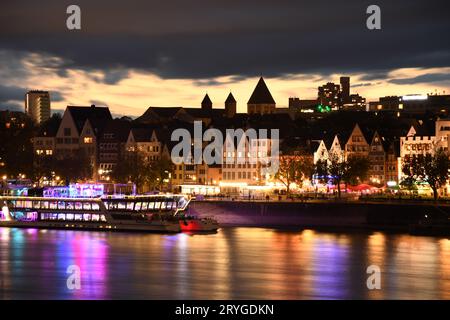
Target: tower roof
{"points": [[261, 94], [230, 99], [206, 100]]}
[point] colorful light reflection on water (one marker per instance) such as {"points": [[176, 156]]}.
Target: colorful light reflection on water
{"points": [[235, 263]]}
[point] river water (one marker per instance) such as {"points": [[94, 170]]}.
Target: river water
{"points": [[234, 263]]}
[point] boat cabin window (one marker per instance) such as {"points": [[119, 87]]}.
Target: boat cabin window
{"points": [[53, 205], [61, 205], [36, 204], [130, 205], [78, 206], [95, 206], [138, 206], [86, 206]]}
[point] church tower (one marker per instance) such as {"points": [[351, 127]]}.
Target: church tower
{"points": [[230, 106], [261, 100], [206, 103]]}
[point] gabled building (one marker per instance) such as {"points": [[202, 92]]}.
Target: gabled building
{"points": [[146, 142], [79, 131], [111, 145], [336, 149], [357, 145], [418, 141], [392, 164], [377, 158], [321, 153]]}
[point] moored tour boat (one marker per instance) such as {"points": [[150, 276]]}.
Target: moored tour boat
{"points": [[155, 213]]}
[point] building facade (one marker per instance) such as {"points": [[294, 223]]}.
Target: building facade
{"points": [[37, 105]]}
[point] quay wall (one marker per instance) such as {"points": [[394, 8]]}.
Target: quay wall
{"points": [[355, 214]]}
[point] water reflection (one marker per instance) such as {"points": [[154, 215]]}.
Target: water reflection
{"points": [[235, 263]]}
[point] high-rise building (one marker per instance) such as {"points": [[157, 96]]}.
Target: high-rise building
{"points": [[329, 95], [37, 105], [261, 100], [345, 90]]}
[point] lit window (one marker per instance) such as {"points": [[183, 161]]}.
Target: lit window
{"points": [[87, 139]]}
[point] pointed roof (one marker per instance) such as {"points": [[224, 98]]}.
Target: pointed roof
{"points": [[119, 128], [206, 100], [261, 94], [230, 99], [142, 134], [97, 116]]}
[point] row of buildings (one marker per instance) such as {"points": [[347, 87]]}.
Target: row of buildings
{"points": [[93, 132]]}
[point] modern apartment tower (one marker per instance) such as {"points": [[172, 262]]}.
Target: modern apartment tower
{"points": [[37, 105], [345, 90]]}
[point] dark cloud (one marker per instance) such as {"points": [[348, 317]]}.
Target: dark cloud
{"points": [[425, 78], [207, 39], [365, 84], [56, 96], [375, 75], [114, 76], [10, 93]]}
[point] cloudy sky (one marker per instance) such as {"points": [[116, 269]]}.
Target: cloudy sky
{"points": [[133, 54]]}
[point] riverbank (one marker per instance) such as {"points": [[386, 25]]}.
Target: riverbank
{"points": [[318, 214]]}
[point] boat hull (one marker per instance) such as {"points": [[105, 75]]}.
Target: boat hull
{"points": [[116, 226], [198, 225], [430, 230]]}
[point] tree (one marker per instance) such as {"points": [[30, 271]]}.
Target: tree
{"points": [[131, 166], [356, 170], [293, 169], [73, 168], [43, 166], [432, 169], [159, 171], [336, 170], [331, 170]]}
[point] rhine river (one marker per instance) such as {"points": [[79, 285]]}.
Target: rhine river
{"points": [[235, 263]]}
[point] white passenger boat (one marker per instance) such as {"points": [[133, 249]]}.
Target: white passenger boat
{"points": [[158, 213]]}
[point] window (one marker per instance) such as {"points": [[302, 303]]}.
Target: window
{"points": [[67, 132], [88, 140]]}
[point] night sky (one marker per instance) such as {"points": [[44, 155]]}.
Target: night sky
{"points": [[134, 54]]}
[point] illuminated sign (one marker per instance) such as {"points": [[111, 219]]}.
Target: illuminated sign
{"points": [[412, 97]]}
